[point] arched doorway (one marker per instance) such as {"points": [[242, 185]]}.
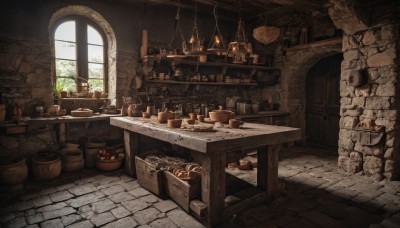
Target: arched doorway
{"points": [[323, 101]]}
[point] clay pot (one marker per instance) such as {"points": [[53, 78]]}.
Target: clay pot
{"points": [[193, 116], [233, 123], [174, 123], [162, 117], [200, 118], [221, 115], [146, 115], [13, 172]]}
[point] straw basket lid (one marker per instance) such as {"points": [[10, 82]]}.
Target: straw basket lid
{"points": [[266, 34]]}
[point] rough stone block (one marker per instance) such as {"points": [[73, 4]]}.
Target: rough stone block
{"points": [[387, 90], [346, 143], [389, 165], [358, 102], [69, 219], [120, 212], [182, 219], [165, 206], [343, 163], [125, 222], [103, 206], [41, 92], [389, 125], [348, 122], [369, 37], [372, 165], [34, 219], [389, 153], [61, 196], [146, 216], [83, 224], [344, 89], [345, 101], [381, 59], [135, 205], [121, 196], [377, 103], [387, 114], [102, 219], [58, 213], [351, 54]]}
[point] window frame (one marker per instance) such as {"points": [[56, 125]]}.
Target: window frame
{"points": [[82, 62]]}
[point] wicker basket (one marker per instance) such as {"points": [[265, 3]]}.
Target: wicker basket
{"points": [[108, 165]]}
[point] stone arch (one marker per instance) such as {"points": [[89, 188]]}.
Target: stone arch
{"points": [[294, 70], [108, 31]]}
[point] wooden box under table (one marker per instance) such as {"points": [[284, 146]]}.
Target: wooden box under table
{"points": [[148, 177], [182, 192]]}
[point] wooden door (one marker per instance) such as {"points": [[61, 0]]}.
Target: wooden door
{"points": [[323, 101]]}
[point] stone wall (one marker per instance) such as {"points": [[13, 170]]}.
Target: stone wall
{"points": [[25, 73], [374, 52]]}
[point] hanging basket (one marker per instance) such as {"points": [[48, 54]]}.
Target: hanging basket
{"points": [[266, 35]]}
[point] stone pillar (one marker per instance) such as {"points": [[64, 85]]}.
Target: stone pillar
{"points": [[374, 52]]}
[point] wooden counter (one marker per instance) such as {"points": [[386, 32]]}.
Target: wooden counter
{"points": [[64, 121], [209, 150]]}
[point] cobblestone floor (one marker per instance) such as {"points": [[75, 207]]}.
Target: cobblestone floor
{"points": [[316, 195]]}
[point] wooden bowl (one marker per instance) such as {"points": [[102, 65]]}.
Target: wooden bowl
{"points": [[174, 123], [221, 115], [108, 165]]}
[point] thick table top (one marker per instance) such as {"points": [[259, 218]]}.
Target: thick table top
{"points": [[221, 139]]}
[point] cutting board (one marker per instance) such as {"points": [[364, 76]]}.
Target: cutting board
{"points": [[86, 113]]}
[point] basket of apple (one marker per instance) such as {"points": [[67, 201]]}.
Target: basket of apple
{"points": [[108, 159]]}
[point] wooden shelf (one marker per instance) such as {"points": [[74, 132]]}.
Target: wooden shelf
{"points": [[200, 83], [228, 65]]}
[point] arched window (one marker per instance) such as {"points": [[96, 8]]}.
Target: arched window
{"points": [[80, 55]]}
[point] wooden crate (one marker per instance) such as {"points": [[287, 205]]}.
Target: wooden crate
{"points": [[182, 192], [148, 177]]}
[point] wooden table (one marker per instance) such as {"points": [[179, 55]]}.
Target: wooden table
{"points": [[64, 121], [212, 148]]}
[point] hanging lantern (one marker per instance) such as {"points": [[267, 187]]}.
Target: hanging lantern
{"points": [[178, 29], [239, 47], [196, 46], [218, 44]]}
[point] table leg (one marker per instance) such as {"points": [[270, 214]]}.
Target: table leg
{"points": [[62, 133], [267, 170], [213, 186], [131, 141]]}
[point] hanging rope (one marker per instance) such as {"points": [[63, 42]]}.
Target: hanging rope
{"points": [[178, 28]]}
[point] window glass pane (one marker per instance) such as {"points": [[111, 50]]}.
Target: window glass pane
{"points": [[65, 68], [65, 50], [66, 84], [96, 84], [94, 37], [96, 70], [95, 54], [66, 31]]}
